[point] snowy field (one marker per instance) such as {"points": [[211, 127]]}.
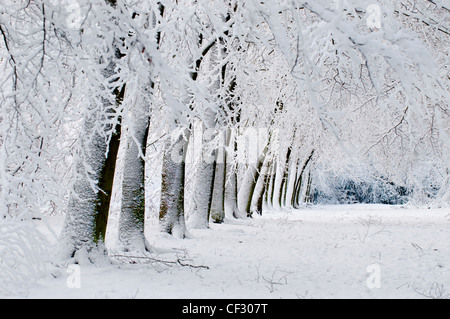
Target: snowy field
{"points": [[354, 251]]}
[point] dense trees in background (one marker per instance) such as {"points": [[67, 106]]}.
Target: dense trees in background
{"points": [[179, 113]]}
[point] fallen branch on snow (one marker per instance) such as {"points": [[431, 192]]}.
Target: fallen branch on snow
{"points": [[169, 263]]}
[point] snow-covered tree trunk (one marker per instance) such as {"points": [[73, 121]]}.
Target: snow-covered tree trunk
{"points": [[86, 215], [95, 164], [262, 188], [226, 85], [208, 196], [271, 184], [245, 190], [296, 200], [308, 194], [132, 215], [252, 177], [231, 184], [155, 150], [267, 199], [218, 199], [106, 186], [203, 193], [212, 175], [171, 214], [285, 179]]}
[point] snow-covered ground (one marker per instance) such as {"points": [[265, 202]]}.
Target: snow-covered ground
{"points": [[358, 251]]}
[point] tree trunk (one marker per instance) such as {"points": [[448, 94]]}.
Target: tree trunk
{"points": [[106, 186], [273, 177], [298, 187], [251, 179], [88, 207], [231, 192], [172, 189], [132, 214], [199, 218], [217, 209], [294, 190], [262, 189], [204, 184], [308, 198], [284, 181]]}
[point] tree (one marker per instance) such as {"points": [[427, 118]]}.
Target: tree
{"points": [[137, 118], [95, 161]]}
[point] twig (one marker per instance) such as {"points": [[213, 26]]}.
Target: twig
{"points": [[191, 266], [135, 295], [437, 291], [282, 281], [12, 60], [371, 221], [179, 261], [417, 246]]}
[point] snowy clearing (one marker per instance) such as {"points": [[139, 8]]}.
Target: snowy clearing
{"points": [[320, 252]]}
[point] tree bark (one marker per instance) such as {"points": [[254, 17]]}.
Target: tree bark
{"points": [[252, 177], [271, 192], [172, 189], [217, 209], [298, 187], [88, 207], [231, 191], [204, 179], [262, 189], [106, 185], [284, 181], [132, 214]]}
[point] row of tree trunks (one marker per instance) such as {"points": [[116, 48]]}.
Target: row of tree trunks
{"points": [[216, 195], [296, 198], [90, 200], [210, 197]]}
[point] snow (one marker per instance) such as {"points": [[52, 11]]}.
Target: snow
{"points": [[317, 252]]}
